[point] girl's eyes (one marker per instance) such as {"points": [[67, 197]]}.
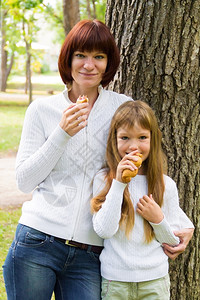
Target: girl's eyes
{"points": [[124, 138], [143, 137]]}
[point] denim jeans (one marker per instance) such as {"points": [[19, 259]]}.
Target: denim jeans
{"points": [[37, 265]]}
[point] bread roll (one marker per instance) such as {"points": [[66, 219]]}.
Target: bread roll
{"points": [[82, 99], [128, 174]]}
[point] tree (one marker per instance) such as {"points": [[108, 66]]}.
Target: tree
{"points": [[24, 12], [159, 44], [71, 14], [9, 39]]}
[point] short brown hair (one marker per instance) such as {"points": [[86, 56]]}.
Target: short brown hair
{"points": [[89, 35]]}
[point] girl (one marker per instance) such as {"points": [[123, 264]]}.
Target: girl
{"points": [[135, 218]]}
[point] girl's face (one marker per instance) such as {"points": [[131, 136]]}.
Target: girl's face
{"points": [[134, 138], [88, 68]]}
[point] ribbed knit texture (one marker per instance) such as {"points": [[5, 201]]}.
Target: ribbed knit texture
{"points": [[132, 259], [60, 169]]}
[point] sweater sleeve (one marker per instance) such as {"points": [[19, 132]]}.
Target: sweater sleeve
{"points": [[106, 220], [174, 217], [164, 233], [37, 154]]}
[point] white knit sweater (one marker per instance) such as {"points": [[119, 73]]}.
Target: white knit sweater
{"points": [[132, 260], [60, 169]]}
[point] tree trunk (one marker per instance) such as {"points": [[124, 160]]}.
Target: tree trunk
{"points": [[88, 9], [28, 83], [159, 44], [4, 54], [29, 76], [94, 9], [71, 14]]}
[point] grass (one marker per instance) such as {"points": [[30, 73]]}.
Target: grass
{"points": [[12, 117]]}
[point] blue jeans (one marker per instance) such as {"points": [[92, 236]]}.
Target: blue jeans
{"points": [[37, 265]]}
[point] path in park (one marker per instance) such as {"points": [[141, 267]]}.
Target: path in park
{"points": [[10, 196]]}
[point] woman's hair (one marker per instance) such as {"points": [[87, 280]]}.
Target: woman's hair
{"points": [[89, 35], [127, 115]]}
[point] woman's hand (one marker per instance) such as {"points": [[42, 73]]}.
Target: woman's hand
{"points": [[185, 236], [74, 118], [149, 209], [126, 163]]}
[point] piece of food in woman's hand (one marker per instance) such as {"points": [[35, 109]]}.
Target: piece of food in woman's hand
{"points": [[82, 99], [128, 174]]}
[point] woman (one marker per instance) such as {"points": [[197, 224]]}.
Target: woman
{"points": [[62, 147]]}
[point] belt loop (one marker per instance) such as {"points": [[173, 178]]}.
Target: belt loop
{"points": [[89, 249], [51, 238]]}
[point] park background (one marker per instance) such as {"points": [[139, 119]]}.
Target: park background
{"points": [[159, 43]]}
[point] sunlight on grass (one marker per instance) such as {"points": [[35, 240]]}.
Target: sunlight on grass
{"points": [[12, 118]]}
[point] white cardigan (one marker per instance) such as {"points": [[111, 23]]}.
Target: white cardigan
{"points": [[60, 169], [132, 260]]}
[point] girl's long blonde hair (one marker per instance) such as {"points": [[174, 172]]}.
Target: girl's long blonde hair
{"points": [[126, 115]]}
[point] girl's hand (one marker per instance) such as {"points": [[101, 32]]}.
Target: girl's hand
{"points": [[126, 163], [74, 118], [185, 236], [149, 210]]}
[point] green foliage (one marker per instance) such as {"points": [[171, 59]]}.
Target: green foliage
{"points": [[54, 18], [100, 8]]}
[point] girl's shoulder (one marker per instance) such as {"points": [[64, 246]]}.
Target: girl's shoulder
{"points": [[170, 184], [100, 175]]}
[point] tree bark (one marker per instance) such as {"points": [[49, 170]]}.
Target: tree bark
{"points": [[159, 44], [4, 58], [28, 83], [5, 68], [88, 9], [71, 14]]}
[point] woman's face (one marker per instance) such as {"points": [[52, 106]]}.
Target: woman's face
{"points": [[88, 68]]}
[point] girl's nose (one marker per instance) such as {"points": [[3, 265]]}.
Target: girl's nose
{"points": [[133, 146]]}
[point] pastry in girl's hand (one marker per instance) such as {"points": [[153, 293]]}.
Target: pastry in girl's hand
{"points": [[82, 99], [128, 174]]}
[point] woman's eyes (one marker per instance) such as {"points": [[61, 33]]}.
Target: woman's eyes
{"points": [[99, 57], [81, 55]]}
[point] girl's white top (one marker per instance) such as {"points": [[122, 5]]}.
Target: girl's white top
{"points": [[60, 169], [133, 260]]}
